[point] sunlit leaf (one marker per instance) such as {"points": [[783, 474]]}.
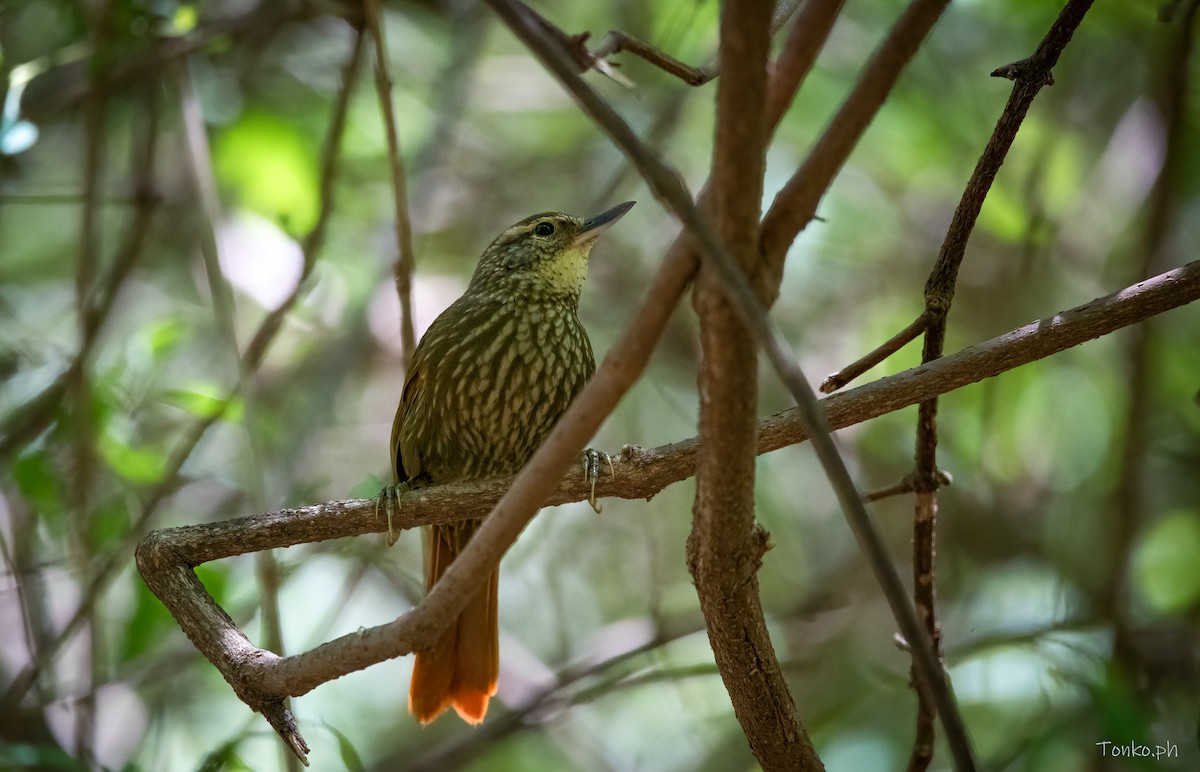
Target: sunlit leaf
{"points": [[139, 465], [203, 401], [150, 624], [1165, 569], [24, 756], [38, 481], [272, 167]]}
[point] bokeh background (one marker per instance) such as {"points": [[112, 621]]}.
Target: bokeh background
{"points": [[1069, 550]]}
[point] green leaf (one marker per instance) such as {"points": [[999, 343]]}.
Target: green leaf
{"points": [[38, 482], [272, 168], [350, 757], [203, 400], [224, 757], [134, 464], [24, 756], [1165, 571], [215, 580], [149, 624]]}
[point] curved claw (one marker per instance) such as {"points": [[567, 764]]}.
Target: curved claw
{"points": [[591, 472], [389, 500]]}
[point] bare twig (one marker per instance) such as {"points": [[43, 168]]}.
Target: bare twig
{"points": [[1030, 75], [79, 386], [907, 485], [617, 41], [405, 255], [200, 165], [884, 350]]}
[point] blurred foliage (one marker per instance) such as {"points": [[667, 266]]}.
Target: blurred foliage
{"points": [[1069, 617]]}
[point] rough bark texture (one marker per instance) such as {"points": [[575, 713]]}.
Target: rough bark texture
{"points": [[726, 546]]}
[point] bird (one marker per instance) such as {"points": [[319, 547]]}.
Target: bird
{"points": [[488, 381]]}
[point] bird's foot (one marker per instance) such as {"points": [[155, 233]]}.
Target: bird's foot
{"points": [[389, 501], [591, 459]]}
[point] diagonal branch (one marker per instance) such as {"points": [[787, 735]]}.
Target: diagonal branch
{"points": [[1029, 76], [165, 558], [669, 189], [796, 203], [808, 36]]}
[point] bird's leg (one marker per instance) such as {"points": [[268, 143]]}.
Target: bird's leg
{"points": [[389, 501], [590, 459]]}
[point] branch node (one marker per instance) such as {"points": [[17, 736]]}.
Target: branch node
{"points": [[1026, 73], [912, 483]]}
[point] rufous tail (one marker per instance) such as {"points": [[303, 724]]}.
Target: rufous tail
{"points": [[461, 671]]}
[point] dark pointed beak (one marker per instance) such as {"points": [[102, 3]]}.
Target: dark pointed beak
{"points": [[594, 226]]}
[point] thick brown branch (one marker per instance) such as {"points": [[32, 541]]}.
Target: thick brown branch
{"points": [[725, 548], [639, 474]]}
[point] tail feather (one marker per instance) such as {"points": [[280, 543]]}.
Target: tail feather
{"points": [[461, 671]]}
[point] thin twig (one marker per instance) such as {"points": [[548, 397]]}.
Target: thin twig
{"points": [[200, 164], [809, 33], [893, 344], [79, 386], [405, 255], [617, 41], [1030, 75]]}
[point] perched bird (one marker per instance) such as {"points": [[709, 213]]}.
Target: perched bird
{"points": [[488, 381]]}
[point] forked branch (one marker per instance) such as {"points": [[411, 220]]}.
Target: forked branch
{"points": [[263, 680]]}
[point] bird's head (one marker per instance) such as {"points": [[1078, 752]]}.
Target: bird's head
{"points": [[545, 254]]}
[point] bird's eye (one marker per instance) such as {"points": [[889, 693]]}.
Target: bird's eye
{"points": [[544, 229]]}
